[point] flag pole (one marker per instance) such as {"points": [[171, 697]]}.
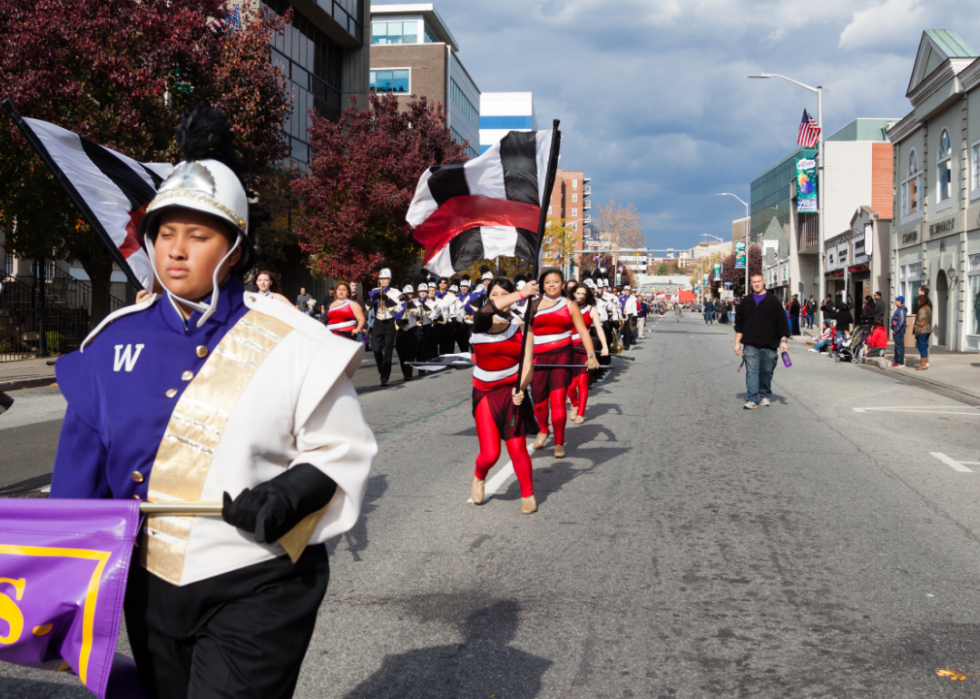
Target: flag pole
{"points": [[549, 185], [73, 194], [181, 508]]}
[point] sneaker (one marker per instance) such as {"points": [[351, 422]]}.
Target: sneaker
{"points": [[896, 366], [765, 403], [750, 406], [813, 350]]}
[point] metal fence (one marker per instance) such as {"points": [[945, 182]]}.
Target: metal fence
{"points": [[34, 323]]}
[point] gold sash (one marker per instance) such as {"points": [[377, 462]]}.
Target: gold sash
{"points": [[194, 431]]}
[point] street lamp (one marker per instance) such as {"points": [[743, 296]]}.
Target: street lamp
{"points": [[708, 235], [821, 280], [748, 221]]}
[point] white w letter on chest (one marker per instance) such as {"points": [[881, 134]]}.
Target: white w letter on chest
{"points": [[125, 358]]}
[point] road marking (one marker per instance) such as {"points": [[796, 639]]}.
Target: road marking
{"points": [[928, 410], [952, 463]]}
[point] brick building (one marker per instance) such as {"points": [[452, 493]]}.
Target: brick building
{"points": [[414, 53], [570, 201]]}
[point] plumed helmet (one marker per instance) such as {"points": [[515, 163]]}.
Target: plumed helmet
{"points": [[423, 286], [485, 272], [408, 289]]}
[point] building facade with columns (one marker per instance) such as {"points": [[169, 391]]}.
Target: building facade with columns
{"points": [[936, 174]]}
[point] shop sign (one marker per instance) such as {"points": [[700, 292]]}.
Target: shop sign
{"points": [[837, 273], [858, 268], [910, 238], [784, 272], [842, 254], [869, 239], [806, 186], [942, 228]]}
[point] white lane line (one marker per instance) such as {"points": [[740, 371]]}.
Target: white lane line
{"points": [[952, 463], [929, 410]]}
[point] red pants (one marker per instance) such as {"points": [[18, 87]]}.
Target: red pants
{"points": [[578, 392], [489, 435], [557, 398]]}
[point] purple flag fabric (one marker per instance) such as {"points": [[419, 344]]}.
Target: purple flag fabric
{"points": [[63, 569]]}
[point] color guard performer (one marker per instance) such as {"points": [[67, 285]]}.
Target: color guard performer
{"points": [[578, 391], [554, 322], [385, 300], [499, 404], [206, 393], [344, 317]]}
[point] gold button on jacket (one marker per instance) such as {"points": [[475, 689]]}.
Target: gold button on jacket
{"points": [[187, 376], [136, 476], [171, 392], [202, 351]]}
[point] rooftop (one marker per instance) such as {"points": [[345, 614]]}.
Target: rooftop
{"points": [[950, 43], [426, 11]]}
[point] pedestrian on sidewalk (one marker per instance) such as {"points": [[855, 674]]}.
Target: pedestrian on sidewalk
{"points": [[709, 312], [811, 310], [923, 328], [881, 308], [760, 330], [302, 299], [794, 314], [898, 331]]}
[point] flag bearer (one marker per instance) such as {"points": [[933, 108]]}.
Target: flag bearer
{"points": [[211, 393]]}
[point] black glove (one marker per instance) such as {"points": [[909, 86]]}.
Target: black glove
{"points": [[272, 508]]}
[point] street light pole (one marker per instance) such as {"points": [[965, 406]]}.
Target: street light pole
{"points": [[821, 279], [748, 227]]}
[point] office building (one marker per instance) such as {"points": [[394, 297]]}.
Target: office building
{"points": [[413, 53], [502, 112]]}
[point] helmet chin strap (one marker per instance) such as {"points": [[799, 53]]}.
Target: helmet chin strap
{"points": [[206, 310]]}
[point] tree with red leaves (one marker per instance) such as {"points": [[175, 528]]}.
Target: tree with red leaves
{"points": [[122, 73], [361, 180], [737, 276]]}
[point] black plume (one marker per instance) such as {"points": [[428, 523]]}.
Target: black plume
{"points": [[484, 269], [464, 278], [380, 265], [207, 134]]}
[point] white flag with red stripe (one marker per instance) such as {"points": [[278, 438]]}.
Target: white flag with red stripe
{"points": [[484, 208], [111, 189]]}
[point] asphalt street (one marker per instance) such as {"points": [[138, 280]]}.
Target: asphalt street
{"points": [[826, 546]]}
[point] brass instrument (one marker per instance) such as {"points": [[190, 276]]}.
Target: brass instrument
{"points": [[615, 344]]}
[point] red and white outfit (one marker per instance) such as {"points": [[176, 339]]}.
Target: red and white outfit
{"points": [[578, 391], [553, 330], [341, 320], [497, 357]]}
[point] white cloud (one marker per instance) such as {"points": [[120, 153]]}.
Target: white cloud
{"points": [[888, 24]]}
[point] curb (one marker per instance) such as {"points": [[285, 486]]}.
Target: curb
{"points": [[27, 383]]}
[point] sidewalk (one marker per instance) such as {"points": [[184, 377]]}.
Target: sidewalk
{"points": [[956, 371], [27, 373]]}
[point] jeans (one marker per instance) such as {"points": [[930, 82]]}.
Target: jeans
{"points": [[820, 344], [760, 362], [922, 344], [899, 339], [809, 321], [731, 317]]}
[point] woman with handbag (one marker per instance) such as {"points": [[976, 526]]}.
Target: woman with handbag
{"points": [[923, 328]]}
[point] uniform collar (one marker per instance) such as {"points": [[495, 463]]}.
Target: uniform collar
{"points": [[230, 300]]}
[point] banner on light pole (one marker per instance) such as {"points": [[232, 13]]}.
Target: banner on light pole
{"points": [[806, 186], [739, 255]]}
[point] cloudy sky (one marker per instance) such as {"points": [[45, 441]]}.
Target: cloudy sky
{"points": [[653, 95]]}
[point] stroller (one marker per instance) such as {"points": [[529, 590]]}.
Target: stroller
{"points": [[853, 350]]}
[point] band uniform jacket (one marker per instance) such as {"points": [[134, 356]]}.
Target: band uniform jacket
{"points": [[165, 411]]}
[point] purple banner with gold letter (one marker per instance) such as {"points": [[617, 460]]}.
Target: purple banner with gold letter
{"points": [[63, 569]]}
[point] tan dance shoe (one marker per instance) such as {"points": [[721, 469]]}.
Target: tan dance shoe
{"points": [[579, 420], [573, 412], [529, 506], [559, 451], [476, 490], [540, 440]]}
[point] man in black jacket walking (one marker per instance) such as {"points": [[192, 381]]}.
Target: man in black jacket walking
{"points": [[760, 330]]}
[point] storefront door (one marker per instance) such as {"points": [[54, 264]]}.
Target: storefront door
{"points": [[941, 304]]}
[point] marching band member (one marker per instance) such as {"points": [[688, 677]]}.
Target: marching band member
{"points": [[268, 285], [630, 310], [520, 308], [464, 316], [426, 307], [207, 392], [344, 317], [442, 318], [578, 391], [499, 404], [478, 296], [407, 340], [554, 322], [386, 301]]}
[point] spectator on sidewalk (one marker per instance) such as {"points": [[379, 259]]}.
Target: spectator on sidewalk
{"points": [[824, 338], [878, 340], [794, 314], [844, 321], [898, 331], [760, 330], [880, 308], [709, 312], [868, 310], [302, 299], [811, 311], [923, 328], [827, 307]]}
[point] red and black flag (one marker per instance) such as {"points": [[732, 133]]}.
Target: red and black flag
{"points": [[486, 207], [110, 189]]}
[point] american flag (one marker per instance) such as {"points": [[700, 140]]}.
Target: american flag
{"points": [[809, 131]]}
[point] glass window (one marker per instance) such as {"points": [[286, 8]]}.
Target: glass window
{"points": [[430, 38], [574, 213], [389, 81], [410, 32], [575, 196], [975, 168], [910, 188], [575, 184], [8, 261], [913, 163], [944, 169]]}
